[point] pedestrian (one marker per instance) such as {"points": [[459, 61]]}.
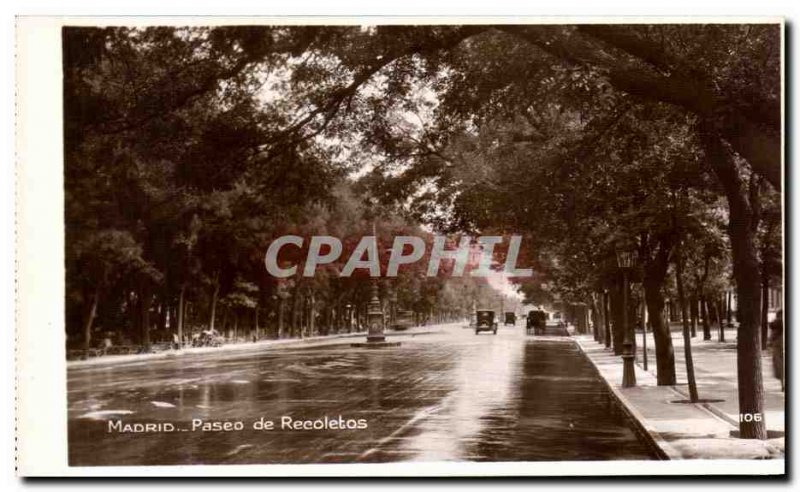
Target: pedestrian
{"points": [[776, 343]]}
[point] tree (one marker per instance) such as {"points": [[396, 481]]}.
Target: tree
{"points": [[746, 271], [160, 170]]}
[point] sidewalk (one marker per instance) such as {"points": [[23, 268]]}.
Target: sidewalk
{"points": [[692, 431], [715, 373], [253, 346]]}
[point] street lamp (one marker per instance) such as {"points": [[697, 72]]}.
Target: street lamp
{"points": [[625, 261], [375, 317]]}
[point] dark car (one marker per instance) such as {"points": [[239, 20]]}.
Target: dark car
{"points": [[485, 321], [537, 320], [511, 318]]}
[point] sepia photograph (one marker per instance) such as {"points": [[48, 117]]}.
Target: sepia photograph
{"points": [[326, 242]]}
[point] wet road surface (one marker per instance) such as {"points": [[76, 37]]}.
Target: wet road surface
{"points": [[454, 396]]}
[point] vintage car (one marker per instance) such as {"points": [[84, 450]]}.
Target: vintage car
{"points": [[485, 321], [403, 320], [537, 320], [510, 319]]}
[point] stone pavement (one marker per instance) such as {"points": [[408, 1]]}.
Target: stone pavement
{"points": [[693, 431]]}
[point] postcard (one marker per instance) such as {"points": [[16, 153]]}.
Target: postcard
{"points": [[400, 246]]}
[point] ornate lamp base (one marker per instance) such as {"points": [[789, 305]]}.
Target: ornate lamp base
{"points": [[375, 344], [375, 336], [628, 371]]}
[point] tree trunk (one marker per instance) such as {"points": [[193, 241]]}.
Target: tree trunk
{"points": [[644, 321], [693, 313], [580, 319], [303, 314], [145, 303], [729, 309], [606, 319], [746, 271], [281, 308], [188, 316], [333, 319], [162, 316], [687, 340], [704, 314], [224, 326], [617, 318], [655, 276], [595, 318], [311, 319], [89, 319], [181, 298], [294, 329], [214, 297], [764, 308]]}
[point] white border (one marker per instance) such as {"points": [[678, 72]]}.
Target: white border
{"points": [[171, 20], [449, 469], [40, 357]]}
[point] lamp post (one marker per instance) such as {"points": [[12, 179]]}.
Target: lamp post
{"points": [[375, 318], [374, 315], [625, 262]]}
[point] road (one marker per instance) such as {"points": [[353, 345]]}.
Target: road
{"points": [[451, 396]]}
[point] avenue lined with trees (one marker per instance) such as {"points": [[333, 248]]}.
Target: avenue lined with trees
{"points": [[187, 150]]}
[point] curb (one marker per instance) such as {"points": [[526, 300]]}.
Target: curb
{"points": [[662, 449], [231, 348]]}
